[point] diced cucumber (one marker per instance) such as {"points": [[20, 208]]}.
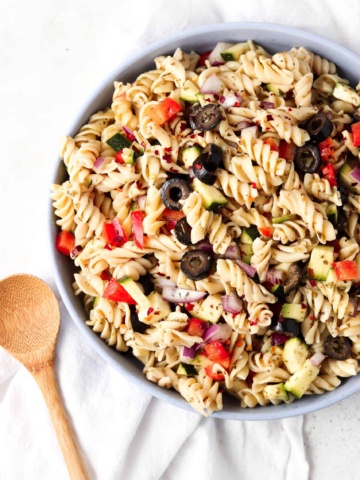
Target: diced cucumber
{"points": [[332, 280], [278, 291], [95, 301], [209, 309], [186, 369], [276, 392], [332, 213], [346, 179], [189, 92], [233, 53], [321, 259], [300, 381], [346, 94], [278, 89], [294, 354], [246, 251], [159, 309], [249, 235], [296, 311], [189, 155], [128, 155], [212, 198], [283, 219], [118, 142], [134, 290], [201, 361]]}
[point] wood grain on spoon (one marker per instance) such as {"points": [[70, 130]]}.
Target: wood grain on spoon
{"points": [[29, 327]]}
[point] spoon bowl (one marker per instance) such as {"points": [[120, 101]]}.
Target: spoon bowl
{"points": [[29, 327]]}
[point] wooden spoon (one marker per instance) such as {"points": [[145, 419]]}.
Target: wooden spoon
{"points": [[29, 327]]}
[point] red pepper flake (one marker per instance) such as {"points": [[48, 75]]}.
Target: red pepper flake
{"points": [[222, 99], [182, 126], [312, 317], [109, 247], [156, 152], [236, 104], [269, 118], [150, 311], [197, 166], [192, 135], [216, 96], [167, 149], [289, 109], [161, 274], [253, 323], [189, 306], [254, 185], [311, 272], [201, 134], [138, 184], [227, 342], [313, 283], [173, 170], [238, 343], [303, 306], [167, 158]]}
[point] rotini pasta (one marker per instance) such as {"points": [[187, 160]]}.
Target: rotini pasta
{"points": [[212, 225]]}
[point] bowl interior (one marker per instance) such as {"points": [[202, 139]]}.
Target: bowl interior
{"points": [[274, 38]]}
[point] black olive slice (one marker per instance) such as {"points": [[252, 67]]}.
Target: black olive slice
{"points": [[137, 326], [196, 264], [319, 127], [206, 118], [190, 114], [211, 157], [173, 191], [338, 348], [293, 278], [307, 158], [287, 325], [182, 232], [147, 284], [201, 172], [356, 114]]}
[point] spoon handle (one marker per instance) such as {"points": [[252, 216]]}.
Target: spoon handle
{"points": [[45, 377]]}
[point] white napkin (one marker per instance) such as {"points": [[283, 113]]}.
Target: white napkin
{"points": [[54, 54], [125, 433]]}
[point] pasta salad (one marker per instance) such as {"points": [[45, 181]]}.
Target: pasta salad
{"points": [[212, 214]]}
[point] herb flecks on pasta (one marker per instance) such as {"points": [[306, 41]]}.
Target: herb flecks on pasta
{"points": [[212, 212]]}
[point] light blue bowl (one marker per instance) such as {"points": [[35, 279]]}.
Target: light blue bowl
{"points": [[274, 38]]}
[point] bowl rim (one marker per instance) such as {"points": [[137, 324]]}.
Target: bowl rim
{"points": [[270, 412]]}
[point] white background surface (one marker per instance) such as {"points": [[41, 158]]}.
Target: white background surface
{"points": [[53, 54]]}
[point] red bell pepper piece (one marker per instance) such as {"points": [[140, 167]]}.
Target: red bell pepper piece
{"points": [[266, 231], [329, 173], [355, 129], [273, 146], [117, 293], [346, 270], [175, 215], [114, 233], [138, 228], [196, 327], [119, 157], [105, 276], [287, 150], [215, 376], [65, 242], [327, 150], [216, 352], [165, 110], [204, 56]]}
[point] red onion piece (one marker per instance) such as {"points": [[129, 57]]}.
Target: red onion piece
{"points": [[215, 57], [266, 105], [75, 251], [356, 174], [129, 133], [230, 100], [99, 161], [217, 332], [244, 124], [205, 247], [181, 295], [278, 338], [163, 282], [142, 202], [232, 253], [275, 277], [232, 303], [317, 358], [212, 84], [252, 130], [187, 354], [191, 172], [248, 269]]}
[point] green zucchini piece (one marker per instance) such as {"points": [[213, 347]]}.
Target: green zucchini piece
{"points": [[294, 354], [212, 198], [249, 235], [346, 94], [295, 311], [118, 142], [186, 369], [332, 213], [190, 154], [300, 381], [321, 259], [276, 392]]}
